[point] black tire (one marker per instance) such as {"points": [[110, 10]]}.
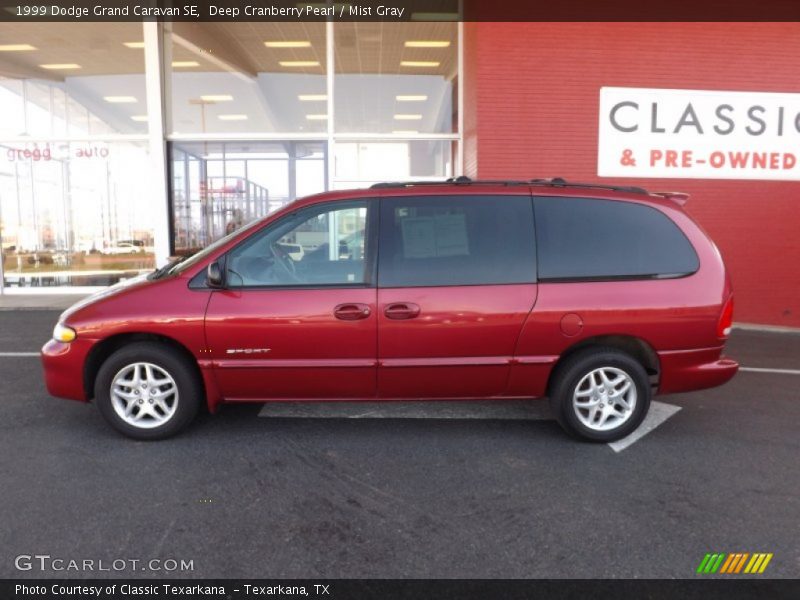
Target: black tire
{"points": [[179, 368], [570, 374]]}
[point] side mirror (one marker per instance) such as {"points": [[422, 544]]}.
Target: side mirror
{"points": [[214, 276]]}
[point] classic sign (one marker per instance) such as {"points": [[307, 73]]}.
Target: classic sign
{"points": [[698, 134]]}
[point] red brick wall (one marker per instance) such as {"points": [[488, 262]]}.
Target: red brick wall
{"points": [[531, 110]]}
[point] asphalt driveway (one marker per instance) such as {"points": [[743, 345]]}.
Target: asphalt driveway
{"points": [[433, 496]]}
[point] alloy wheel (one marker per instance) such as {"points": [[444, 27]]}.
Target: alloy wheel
{"points": [[144, 395], [604, 399]]}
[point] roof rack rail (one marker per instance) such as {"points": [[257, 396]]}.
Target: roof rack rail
{"points": [[680, 198], [561, 182], [554, 182], [460, 180]]}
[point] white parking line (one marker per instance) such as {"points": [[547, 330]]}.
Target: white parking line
{"points": [[17, 354], [659, 412], [778, 371]]}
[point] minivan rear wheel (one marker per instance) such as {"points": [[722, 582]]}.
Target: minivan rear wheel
{"points": [[148, 391], [600, 394]]}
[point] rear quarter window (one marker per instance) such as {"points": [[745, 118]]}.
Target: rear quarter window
{"points": [[591, 239]]}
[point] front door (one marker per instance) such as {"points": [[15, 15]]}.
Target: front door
{"points": [[297, 318], [456, 280]]}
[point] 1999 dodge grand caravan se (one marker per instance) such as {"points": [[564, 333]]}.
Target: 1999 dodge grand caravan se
{"points": [[594, 296]]}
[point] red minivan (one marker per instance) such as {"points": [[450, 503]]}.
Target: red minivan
{"points": [[594, 296]]}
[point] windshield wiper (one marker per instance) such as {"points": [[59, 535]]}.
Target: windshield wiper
{"points": [[159, 273]]}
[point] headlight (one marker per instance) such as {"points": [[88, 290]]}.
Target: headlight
{"points": [[62, 333]]}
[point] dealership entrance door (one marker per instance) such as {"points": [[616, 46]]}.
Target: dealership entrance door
{"points": [[217, 187]]}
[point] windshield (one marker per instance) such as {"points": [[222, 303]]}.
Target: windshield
{"points": [[185, 263]]}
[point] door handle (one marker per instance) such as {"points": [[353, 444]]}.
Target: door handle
{"points": [[401, 310], [351, 312]]}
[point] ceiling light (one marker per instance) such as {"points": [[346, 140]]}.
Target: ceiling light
{"points": [[288, 44], [299, 63], [216, 98], [312, 97], [427, 43], [405, 117], [185, 63], [60, 66], [411, 98], [316, 117], [232, 117], [419, 63], [134, 44], [119, 99], [16, 47], [139, 118]]}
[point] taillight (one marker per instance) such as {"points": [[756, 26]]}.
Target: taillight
{"points": [[725, 319]]}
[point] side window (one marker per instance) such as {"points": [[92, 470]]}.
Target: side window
{"points": [[319, 246], [582, 238], [456, 240]]}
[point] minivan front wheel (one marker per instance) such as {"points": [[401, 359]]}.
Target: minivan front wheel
{"points": [[600, 394], [147, 391]]}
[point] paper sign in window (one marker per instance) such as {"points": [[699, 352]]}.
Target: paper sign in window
{"points": [[419, 237], [451, 235], [438, 236]]}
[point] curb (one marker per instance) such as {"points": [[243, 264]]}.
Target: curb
{"points": [[766, 328]]}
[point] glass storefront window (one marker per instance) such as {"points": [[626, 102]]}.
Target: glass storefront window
{"points": [[217, 187], [247, 128], [395, 77], [246, 77], [79, 80], [73, 212], [360, 163]]}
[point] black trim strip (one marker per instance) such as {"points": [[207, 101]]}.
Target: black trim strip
{"points": [[590, 279]]}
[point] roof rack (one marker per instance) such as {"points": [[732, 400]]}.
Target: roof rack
{"points": [[561, 182], [461, 180], [679, 198], [554, 182]]}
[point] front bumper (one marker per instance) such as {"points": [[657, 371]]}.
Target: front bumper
{"points": [[689, 370], [63, 368]]}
